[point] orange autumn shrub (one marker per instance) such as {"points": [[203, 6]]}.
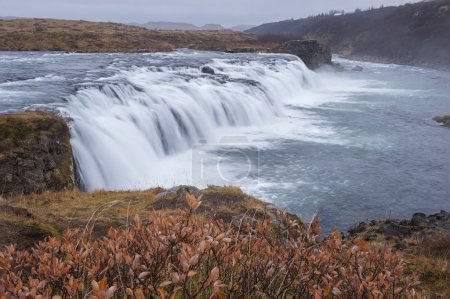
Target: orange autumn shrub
{"points": [[187, 256]]}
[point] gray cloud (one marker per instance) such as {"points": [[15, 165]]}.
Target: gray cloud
{"points": [[199, 12]]}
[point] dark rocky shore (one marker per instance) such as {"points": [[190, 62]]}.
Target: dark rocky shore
{"points": [[401, 230]]}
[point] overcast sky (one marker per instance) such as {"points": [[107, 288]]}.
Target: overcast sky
{"points": [[199, 12]]}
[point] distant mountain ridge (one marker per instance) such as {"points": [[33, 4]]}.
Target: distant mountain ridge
{"points": [[413, 34], [167, 25], [186, 26]]}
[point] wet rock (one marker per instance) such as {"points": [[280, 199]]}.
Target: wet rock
{"points": [[311, 52], [208, 70], [35, 153], [357, 68]]}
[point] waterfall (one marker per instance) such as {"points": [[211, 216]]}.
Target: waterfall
{"points": [[124, 126]]}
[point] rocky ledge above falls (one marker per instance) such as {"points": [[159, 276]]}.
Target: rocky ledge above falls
{"points": [[313, 54], [35, 154]]}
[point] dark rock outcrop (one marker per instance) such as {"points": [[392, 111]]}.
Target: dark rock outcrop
{"points": [[445, 120], [35, 154], [419, 225], [312, 53]]}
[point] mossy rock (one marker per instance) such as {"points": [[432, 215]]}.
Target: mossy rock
{"points": [[35, 153], [445, 120]]}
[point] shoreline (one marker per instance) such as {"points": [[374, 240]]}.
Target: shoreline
{"points": [[386, 61]]}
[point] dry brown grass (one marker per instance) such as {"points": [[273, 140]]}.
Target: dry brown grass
{"points": [[430, 257], [101, 210], [65, 35]]}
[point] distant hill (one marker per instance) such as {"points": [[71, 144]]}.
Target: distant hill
{"points": [[242, 28], [212, 27], [414, 34], [177, 26], [9, 18], [167, 26], [187, 26]]}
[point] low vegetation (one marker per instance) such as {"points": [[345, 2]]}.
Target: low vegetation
{"points": [[186, 256], [65, 35]]}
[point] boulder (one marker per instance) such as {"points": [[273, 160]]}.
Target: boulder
{"points": [[207, 70], [358, 68], [311, 52], [419, 219], [35, 154]]}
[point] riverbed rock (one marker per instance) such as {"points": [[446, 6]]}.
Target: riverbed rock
{"points": [[445, 120], [311, 52], [35, 154], [207, 70]]}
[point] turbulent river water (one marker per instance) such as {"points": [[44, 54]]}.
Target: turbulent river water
{"points": [[349, 145]]}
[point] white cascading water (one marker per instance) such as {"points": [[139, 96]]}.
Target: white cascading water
{"points": [[123, 128]]}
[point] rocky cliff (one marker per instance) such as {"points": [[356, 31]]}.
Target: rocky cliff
{"points": [[35, 154]]}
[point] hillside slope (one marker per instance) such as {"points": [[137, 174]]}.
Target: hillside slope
{"points": [[415, 34]]}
